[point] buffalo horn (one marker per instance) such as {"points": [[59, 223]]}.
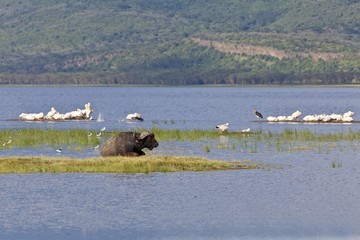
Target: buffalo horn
{"points": [[144, 135]]}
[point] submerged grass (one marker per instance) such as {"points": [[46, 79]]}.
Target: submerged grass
{"points": [[146, 164]]}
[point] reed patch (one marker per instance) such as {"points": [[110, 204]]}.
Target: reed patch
{"points": [[254, 142]]}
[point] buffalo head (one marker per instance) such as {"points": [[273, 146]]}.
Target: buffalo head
{"points": [[145, 140]]}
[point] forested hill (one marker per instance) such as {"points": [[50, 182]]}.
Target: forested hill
{"points": [[179, 41]]}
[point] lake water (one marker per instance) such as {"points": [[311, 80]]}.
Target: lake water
{"points": [[177, 107], [301, 197]]}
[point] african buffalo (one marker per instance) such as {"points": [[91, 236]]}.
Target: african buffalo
{"points": [[129, 144]]}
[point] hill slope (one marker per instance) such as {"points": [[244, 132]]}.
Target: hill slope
{"points": [[179, 41]]}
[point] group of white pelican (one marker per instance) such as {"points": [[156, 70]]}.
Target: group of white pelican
{"points": [[53, 114], [294, 117], [334, 117], [346, 117]]}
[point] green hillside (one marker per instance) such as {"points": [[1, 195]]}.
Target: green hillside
{"points": [[179, 41]]}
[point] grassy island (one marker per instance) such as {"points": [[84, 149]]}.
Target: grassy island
{"points": [[145, 164]]}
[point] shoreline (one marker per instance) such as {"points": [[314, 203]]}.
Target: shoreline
{"points": [[188, 86]]}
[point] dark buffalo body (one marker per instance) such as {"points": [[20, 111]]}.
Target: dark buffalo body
{"points": [[129, 144]]}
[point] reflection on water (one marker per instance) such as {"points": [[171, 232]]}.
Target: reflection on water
{"points": [[305, 196]]}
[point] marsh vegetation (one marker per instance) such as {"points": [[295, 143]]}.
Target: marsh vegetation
{"points": [[283, 141]]}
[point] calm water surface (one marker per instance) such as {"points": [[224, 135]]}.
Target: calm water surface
{"points": [[301, 197], [177, 107]]}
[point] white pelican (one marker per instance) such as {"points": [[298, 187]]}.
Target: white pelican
{"points": [[281, 118], [271, 119], [50, 114], [296, 114], [134, 116], [258, 114], [223, 127], [347, 119], [348, 114]]}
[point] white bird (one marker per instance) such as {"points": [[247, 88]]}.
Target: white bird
{"points": [[59, 150], [245, 130], [296, 114], [348, 114], [90, 134], [103, 129], [347, 119], [271, 119], [98, 134], [134, 116], [281, 118], [97, 146], [7, 142], [223, 127]]}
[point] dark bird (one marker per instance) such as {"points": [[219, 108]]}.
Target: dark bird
{"points": [[257, 114]]}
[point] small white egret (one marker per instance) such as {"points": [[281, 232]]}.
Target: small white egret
{"points": [[59, 150], [245, 130], [97, 146], [103, 129], [90, 134], [98, 134]]}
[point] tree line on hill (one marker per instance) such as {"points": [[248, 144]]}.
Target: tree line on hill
{"points": [[151, 42]]}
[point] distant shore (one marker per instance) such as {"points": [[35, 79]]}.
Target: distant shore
{"points": [[190, 85]]}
